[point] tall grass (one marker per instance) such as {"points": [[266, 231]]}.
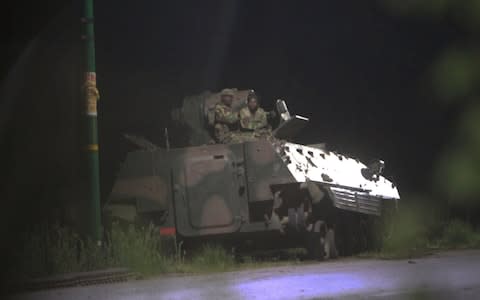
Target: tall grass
{"points": [[458, 234], [416, 231], [55, 249], [52, 250], [137, 248], [49, 250], [212, 258], [408, 235]]}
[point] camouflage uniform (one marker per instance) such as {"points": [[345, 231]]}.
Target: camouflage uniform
{"points": [[254, 125], [226, 122]]}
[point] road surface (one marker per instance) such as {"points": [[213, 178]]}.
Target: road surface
{"points": [[449, 275]]}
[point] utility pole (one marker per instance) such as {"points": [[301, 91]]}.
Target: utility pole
{"points": [[91, 95]]}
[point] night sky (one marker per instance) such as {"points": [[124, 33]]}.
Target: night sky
{"points": [[360, 73]]}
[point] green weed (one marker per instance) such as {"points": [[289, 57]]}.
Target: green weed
{"points": [[458, 234], [416, 232], [212, 258], [408, 236], [137, 248], [49, 250]]}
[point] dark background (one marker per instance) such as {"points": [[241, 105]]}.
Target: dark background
{"points": [[360, 73]]}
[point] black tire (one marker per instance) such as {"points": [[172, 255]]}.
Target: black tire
{"points": [[331, 247], [315, 243], [315, 246], [351, 234], [375, 233]]}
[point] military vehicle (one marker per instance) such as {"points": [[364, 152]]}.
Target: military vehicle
{"points": [[266, 192]]}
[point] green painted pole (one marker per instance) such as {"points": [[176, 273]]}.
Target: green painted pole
{"points": [[91, 97]]}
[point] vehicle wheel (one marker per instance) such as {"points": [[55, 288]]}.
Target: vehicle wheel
{"points": [[316, 241], [344, 234], [330, 246], [375, 233]]}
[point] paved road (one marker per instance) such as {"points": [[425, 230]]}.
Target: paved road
{"points": [[450, 275]]}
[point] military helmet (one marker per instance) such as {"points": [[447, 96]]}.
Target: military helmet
{"points": [[227, 92], [252, 95]]}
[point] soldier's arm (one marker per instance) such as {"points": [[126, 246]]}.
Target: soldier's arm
{"points": [[263, 123], [245, 123], [226, 117], [231, 118]]}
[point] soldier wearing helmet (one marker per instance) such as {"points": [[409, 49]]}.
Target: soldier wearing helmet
{"points": [[226, 121], [253, 119]]}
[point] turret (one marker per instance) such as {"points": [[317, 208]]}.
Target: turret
{"points": [[197, 116]]}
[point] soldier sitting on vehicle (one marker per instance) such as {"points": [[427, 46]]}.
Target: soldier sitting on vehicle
{"points": [[226, 120], [253, 120]]}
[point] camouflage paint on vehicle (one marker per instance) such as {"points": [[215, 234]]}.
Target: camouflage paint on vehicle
{"points": [[268, 186]]}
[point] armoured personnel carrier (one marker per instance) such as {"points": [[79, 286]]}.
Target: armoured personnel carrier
{"points": [[266, 192]]}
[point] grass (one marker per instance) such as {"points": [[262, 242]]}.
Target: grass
{"points": [[137, 248], [416, 233], [56, 250], [409, 236], [209, 258], [50, 250], [53, 250], [459, 235]]}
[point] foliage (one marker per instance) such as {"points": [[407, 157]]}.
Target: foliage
{"points": [[52, 250], [455, 80], [458, 234], [408, 235], [212, 258], [417, 231], [463, 12], [55, 250], [139, 249]]}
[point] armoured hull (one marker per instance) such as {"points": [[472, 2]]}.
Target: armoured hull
{"points": [[344, 177], [215, 189], [265, 187]]}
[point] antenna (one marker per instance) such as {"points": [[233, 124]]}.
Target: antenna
{"points": [[167, 141]]}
